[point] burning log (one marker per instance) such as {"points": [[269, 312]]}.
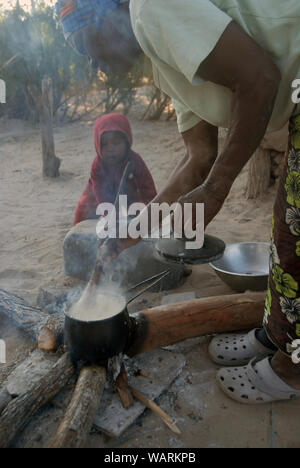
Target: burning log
{"points": [[79, 417], [123, 390], [51, 335], [18, 412], [27, 318], [172, 323]]}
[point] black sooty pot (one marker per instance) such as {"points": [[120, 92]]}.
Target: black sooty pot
{"points": [[99, 340]]}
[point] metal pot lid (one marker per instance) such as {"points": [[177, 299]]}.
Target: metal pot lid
{"points": [[174, 250]]}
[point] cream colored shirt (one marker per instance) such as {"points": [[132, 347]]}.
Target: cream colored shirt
{"points": [[178, 35]]}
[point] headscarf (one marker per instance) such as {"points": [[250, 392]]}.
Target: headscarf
{"points": [[111, 123], [75, 14], [105, 178]]}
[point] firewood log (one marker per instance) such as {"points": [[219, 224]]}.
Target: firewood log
{"points": [[22, 408], [5, 398], [123, 390], [79, 417], [51, 334], [173, 323], [156, 409], [29, 319]]}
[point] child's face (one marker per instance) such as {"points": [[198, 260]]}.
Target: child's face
{"points": [[114, 147]]}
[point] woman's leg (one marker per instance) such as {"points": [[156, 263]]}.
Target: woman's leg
{"points": [[267, 380], [286, 370], [282, 311], [264, 340]]}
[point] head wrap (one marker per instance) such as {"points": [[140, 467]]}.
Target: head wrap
{"points": [[111, 123], [75, 14]]}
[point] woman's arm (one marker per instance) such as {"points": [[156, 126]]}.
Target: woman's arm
{"points": [[201, 143], [240, 64]]}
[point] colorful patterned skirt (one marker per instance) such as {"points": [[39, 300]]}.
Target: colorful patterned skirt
{"points": [[282, 310]]}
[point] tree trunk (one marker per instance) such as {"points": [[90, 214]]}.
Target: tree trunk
{"points": [[259, 176], [51, 163], [22, 408], [27, 318], [79, 417]]}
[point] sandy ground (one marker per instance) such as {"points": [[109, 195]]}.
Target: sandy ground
{"points": [[36, 214]]}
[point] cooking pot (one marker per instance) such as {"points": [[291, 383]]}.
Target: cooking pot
{"points": [[98, 340]]}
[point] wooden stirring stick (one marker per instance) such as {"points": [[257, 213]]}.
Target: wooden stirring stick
{"points": [[98, 270]]}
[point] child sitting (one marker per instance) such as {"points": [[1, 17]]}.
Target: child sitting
{"points": [[113, 142]]}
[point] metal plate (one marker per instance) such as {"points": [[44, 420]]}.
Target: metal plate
{"points": [[174, 250]]}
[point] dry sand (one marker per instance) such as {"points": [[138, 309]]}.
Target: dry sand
{"points": [[37, 213]]}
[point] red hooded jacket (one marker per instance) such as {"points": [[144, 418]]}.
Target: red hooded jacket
{"points": [[105, 179]]}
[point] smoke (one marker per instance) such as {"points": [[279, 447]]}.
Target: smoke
{"points": [[97, 303], [121, 18], [120, 273], [116, 277]]}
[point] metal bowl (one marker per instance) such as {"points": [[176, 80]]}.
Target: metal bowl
{"points": [[244, 266]]}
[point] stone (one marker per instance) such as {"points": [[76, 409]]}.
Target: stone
{"points": [[80, 250], [133, 265]]}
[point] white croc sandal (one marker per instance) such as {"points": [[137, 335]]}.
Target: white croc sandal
{"points": [[255, 384], [237, 349]]}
